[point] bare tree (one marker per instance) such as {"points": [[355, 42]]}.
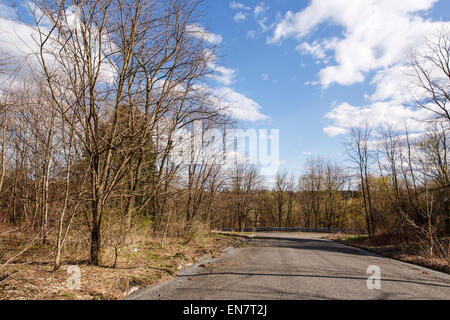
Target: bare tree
{"points": [[4, 125], [391, 153], [358, 151], [117, 61], [280, 193], [245, 182], [431, 74]]}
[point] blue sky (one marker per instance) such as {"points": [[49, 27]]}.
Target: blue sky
{"points": [[280, 49]]}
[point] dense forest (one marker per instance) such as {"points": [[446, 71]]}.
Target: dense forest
{"points": [[88, 125]]}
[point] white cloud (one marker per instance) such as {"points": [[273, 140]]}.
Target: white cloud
{"points": [[265, 76], [375, 39], [240, 16], [238, 5], [251, 34], [262, 24], [259, 13], [222, 74], [333, 131], [376, 34], [378, 114], [239, 106], [314, 49], [261, 8], [307, 153], [202, 33], [16, 39], [392, 84], [19, 47], [311, 83]]}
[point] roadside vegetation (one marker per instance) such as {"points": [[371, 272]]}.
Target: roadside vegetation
{"points": [[144, 263], [395, 248]]}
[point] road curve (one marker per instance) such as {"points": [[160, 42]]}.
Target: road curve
{"points": [[298, 266]]}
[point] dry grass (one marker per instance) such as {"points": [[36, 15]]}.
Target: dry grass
{"points": [[142, 263], [393, 247]]}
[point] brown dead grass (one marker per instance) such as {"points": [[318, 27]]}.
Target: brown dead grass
{"points": [[141, 265], [393, 247]]}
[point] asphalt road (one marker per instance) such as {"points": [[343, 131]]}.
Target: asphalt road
{"points": [[298, 266]]}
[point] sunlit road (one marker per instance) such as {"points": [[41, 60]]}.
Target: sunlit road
{"points": [[299, 266]]}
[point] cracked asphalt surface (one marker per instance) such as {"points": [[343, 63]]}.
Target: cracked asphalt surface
{"points": [[297, 266]]}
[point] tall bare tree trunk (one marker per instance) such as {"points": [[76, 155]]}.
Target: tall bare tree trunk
{"points": [[2, 172]]}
